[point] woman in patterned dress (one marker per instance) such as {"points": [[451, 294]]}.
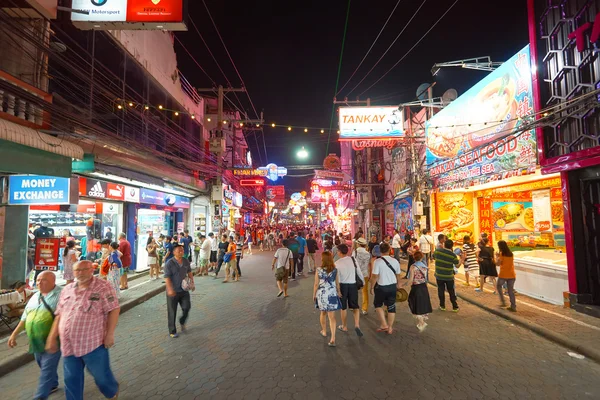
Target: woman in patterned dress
{"points": [[326, 294]]}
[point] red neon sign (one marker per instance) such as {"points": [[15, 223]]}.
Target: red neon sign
{"points": [[252, 182]]}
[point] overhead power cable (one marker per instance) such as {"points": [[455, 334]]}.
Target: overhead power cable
{"points": [[370, 48], [337, 80], [389, 48], [411, 49], [195, 61]]}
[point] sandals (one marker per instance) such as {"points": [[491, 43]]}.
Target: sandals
{"points": [[359, 333], [324, 334], [331, 344], [341, 328], [382, 329]]}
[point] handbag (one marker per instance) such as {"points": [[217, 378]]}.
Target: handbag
{"points": [[227, 257], [359, 282], [280, 271], [188, 284]]}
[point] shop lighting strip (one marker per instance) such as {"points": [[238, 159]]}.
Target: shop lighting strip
{"points": [[142, 184]]}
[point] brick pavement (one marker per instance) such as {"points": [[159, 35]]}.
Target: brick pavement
{"points": [[243, 342]]}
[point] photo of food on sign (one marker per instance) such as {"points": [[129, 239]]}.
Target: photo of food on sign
{"points": [[558, 217], [455, 215], [515, 216]]}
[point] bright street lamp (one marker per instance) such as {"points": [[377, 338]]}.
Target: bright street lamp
{"points": [[302, 153]]}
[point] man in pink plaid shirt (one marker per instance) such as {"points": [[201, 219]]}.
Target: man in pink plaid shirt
{"points": [[86, 318]]}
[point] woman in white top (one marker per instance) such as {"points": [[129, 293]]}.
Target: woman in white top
{"points": [[69, 258]]}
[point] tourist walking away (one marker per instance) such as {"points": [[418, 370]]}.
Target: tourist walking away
{"points": [[487, 264], [396, 244], [86, 318], [294, 246], [506, 261], [425, 245], [125, 249], [301, 252], [249, 242], [37, 319], [350, 277], [230, 261], [204, 256], [214, 250], [196, 244], [326, 295], [282, 262], [418, 299], [152, 249], [363, 259], [445, 261], [385, 280], [311, 246], [179, 281], [469, 260], [69, 258], [239, 253]]}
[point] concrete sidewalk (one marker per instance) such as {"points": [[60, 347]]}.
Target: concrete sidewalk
{"points": [[565, 326], [140, 290]]}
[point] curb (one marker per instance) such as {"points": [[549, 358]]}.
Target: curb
{"points": [[535, 328], [20, 360]]}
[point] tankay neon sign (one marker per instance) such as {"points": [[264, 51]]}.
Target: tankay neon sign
{"points": [[579, 34]]}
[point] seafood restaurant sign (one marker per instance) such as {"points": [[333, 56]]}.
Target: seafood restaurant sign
{"points": [[478, 137]]}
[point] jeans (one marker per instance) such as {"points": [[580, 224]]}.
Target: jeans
{"points": [[98, 365], [196, 257], [219, 264], [300, 262], [292, 271], [239, 271], [442, 286], [397, 253], [311, 261], [48, 364], [183, 299], [510, 283]]}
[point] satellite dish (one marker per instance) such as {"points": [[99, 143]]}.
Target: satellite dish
{"points": [[422, 91], [449, 96]]}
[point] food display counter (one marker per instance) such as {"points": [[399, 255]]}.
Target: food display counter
{"points": [[541, 274]]}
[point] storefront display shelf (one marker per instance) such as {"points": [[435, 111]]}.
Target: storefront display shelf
{"points": [[541, 274]]}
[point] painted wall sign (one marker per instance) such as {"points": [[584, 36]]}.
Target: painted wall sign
{"points": [[370, 122], [36, 189], [476, 139]]}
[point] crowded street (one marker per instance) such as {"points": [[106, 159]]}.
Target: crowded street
{"points": [[244, 342]]}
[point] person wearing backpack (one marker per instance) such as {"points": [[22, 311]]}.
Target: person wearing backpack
{"points": [[351, 280], [385, 280]]}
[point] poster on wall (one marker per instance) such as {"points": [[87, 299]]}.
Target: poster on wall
{"points": [[46, 253], [542, 211], [513, 216], [403, 219], [455, 215], [478, 137]]}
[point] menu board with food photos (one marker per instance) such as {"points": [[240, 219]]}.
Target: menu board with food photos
{"points": [[455, 215], [542, 212]]}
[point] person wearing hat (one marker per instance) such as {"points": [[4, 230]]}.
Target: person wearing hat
{"points": [[363, 259]]}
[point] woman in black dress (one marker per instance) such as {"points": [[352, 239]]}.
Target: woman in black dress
{"points": [[487, 266]]}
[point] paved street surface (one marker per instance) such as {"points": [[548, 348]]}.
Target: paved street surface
{"points": [[243, 342]]}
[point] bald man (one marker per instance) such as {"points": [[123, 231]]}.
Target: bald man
{"points": [[86, 317], [37, 320]]}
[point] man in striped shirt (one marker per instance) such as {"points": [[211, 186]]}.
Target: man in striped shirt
{"points": [[445, 261]]}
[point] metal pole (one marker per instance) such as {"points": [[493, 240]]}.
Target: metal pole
{"points": [[92, 74]]}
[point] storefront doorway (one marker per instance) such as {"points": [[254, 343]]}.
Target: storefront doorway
{"points": [[151, 222]]}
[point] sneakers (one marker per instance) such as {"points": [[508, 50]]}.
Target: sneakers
{"points": [[466, 284], [442, 308], [174, 335], [54, 390], [456, 309], [478, 290], [511, 309], [183, 328]]}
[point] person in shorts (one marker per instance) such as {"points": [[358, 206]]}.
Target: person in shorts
{"points": [[283, 260], [214, 249], [384, 283], [348, 270]]}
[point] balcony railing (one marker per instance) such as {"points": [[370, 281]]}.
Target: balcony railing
{"points": [[22, 103]]}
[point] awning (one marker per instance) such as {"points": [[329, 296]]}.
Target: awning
{"points": [[30, 137]]}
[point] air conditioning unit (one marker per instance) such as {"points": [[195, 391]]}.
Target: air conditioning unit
{"points": [[217, 145], [217, 192]]}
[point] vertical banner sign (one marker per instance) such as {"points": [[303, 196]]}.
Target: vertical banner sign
{"points": [[542, 211], [46, 253], [485, 217], [403, 220]]}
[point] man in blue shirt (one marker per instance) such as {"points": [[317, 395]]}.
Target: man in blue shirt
{"points": [[301, 250], [168, 248]]}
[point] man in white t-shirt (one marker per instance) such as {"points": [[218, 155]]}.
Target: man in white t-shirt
{"points": [[214, 249], [283, 261], [205, 249], [386, 274], [425, 245], [347, 270], [396, 244]]}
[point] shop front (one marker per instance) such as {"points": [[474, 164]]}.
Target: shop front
{"points": [[482, 152], [157, 213], [232, 218], [200, 221], [569, 145]]}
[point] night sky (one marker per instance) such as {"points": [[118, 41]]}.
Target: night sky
{"points": [[288, 54]]}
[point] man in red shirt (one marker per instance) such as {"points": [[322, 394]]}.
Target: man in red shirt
{"points": [[125, 249]]}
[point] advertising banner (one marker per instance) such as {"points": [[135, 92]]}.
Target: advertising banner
{"points": [[403, 220], [148, 196], [370, 122], [101, 10], [132, 194], [455, 215], [276, 194], [478, 137], [92, 188], [36, 189], [485, 217], [154, 10], [46, 253], [331, 175]]}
